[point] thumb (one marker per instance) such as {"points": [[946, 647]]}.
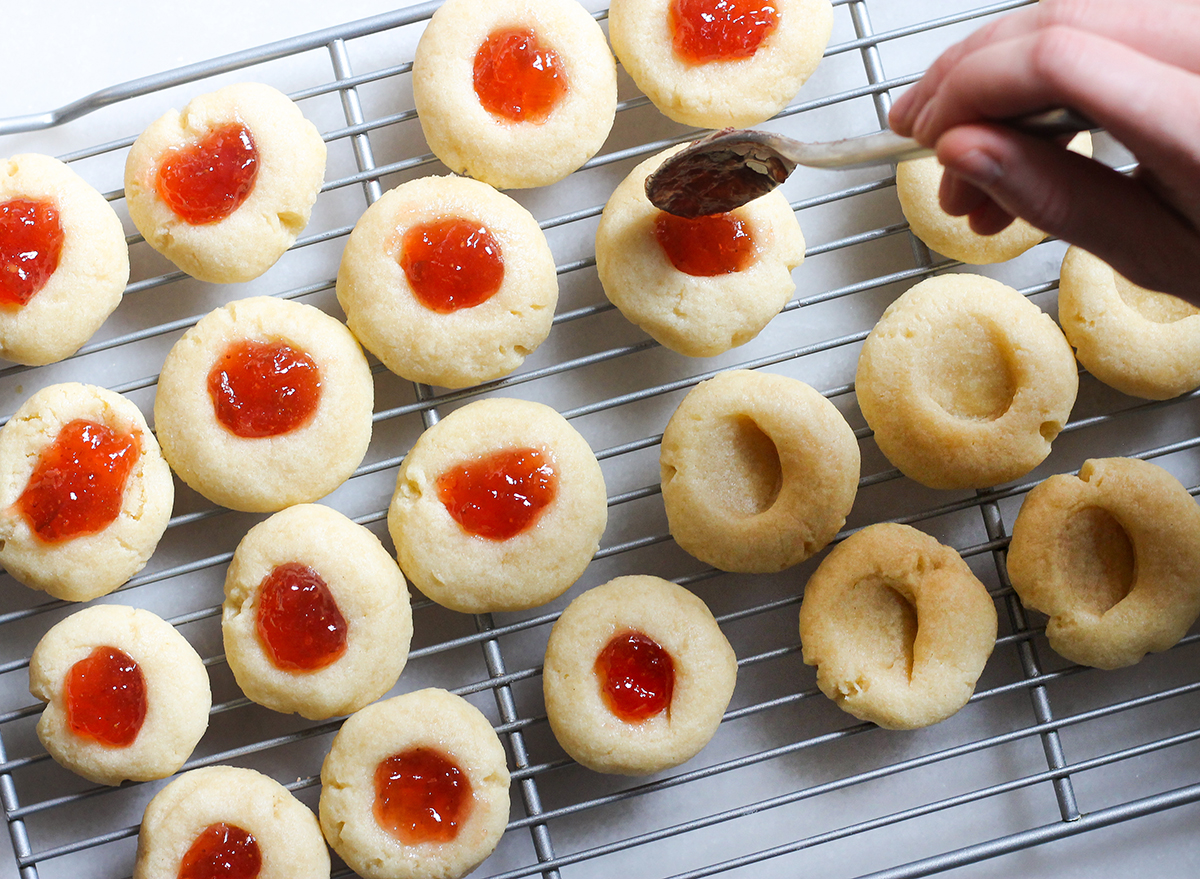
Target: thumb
{"points": [[1117, 218]]}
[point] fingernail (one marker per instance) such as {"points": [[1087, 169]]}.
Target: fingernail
{"points": [[902, 111], [921, 122], [977, 167]]}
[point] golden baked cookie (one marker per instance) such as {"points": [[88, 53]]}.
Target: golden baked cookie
{"points": [[85, 494], [448, 282], [126, 695], [383, 819], [223, 187], [63, 260], [515, 94], [265, 403], [1111, 557], [675, 52], [498, 506], [918, 182], [703, 286], [898, 627], [637, 676], [1142, 343], [220, 819], [965, 382], [316, 617], [759, 472]]}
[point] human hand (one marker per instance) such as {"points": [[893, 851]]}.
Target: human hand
{"points": [[1134, 68]]}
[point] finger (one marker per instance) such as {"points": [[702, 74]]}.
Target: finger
{"points": [[1123, 90], [958, 196], [1081, 201], [989, 218], [904, 111], [1161, 29]]}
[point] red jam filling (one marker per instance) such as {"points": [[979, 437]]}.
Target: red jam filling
{"points": [[298, 621], [421, 796], [714, 244], [207, 180], [451, 264], [264, 388], [31, 242], [105, 697], [78, 484], [499, 495], [517, 78], [222, 851], [719, 30], [637, 677]]}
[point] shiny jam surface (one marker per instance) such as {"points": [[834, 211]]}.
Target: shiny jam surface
{"points": [[501, 494], [451, 264], [298, 621], [31, 242], [716, 244], [421, 796], [207, 180], [222, 851], [78, 483], [637, 677], [105, 697], [719, 30], [264, 388], [517, 78]]}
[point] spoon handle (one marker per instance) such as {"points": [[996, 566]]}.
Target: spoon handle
{"points": [[887, 146]]}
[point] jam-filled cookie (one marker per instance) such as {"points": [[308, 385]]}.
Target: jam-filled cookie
{"points": [[316, 617], [85, 494], [225, 821], [759, 471], [415, 787], [699, 286], [448, 282], [63, 260], [637, 676], [1110, 557], [720, 63], [126, 695], [898, 627], [223, 187], [263, 404], [498, 506], [965, 382], [1142, 343], [515, 94], [917, 184]]}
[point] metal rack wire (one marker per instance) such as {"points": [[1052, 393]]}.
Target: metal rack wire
{"points": [[1043, 752]]}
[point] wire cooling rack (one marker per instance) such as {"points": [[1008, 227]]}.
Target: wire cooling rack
{"points": [[1044, 771]]}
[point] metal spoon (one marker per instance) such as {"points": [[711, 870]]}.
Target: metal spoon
{"points": [[726, 169]]}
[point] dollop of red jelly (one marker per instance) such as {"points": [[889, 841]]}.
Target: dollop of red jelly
{"points": [[715, 244], [31, 243], [78, 483], [719, 30], [421, 796], [264, 388], [207, 180], [517, 78], [451, 264], [298, 621], [501, 494], [222, 851], [637, 677], [105, 697]]}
